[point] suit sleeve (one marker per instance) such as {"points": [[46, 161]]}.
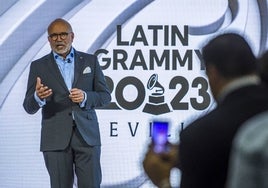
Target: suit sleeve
{"points": [[30, 105]]}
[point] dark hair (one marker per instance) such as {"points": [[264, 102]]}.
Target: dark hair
{"points": [[263, 67], [230, 54]]}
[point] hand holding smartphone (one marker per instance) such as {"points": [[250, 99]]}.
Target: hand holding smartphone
{"points": [[159, 136]]}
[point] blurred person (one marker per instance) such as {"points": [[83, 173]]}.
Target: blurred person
{"points": [[248, 166], [202, 154], [67, 85]]}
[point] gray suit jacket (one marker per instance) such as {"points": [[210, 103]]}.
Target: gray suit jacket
{"points": [[59, 111], [249, 157]]}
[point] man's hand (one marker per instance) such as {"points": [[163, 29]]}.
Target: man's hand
{"points": [[41, 90], [157, 166], [77, 95]]}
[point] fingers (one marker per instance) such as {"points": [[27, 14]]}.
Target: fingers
{"points": [[77, 95], [38, 81], [156, 168], [41, 90]]}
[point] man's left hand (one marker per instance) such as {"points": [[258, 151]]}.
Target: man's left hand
{"points": [[77, 95]]}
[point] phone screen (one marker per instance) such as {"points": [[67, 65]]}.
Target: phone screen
{"points": [[159, 136]]}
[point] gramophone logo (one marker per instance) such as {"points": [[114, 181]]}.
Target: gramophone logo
{"points": [[156, 103]]}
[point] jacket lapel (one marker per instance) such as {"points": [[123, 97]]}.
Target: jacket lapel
{"points": [[79, 61], [54, 69]]}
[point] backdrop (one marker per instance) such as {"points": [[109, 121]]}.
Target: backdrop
{"points": [[150, 54]]}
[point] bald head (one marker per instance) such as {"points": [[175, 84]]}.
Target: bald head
{"points": [[60, 36], [61, 22]]}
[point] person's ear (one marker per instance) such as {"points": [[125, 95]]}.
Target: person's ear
{"points": [[72, 35], [212, 72]]}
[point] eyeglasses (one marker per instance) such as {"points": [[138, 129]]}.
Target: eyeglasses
{"points": [[63, 35]]}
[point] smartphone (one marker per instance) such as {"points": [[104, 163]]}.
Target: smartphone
{"points": [[160, 136]]}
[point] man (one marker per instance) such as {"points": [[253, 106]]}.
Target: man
{"points": [[203, 152], [68, 85]]}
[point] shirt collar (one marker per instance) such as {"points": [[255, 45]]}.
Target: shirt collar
{"points": [[68, 58], [238, 83]]}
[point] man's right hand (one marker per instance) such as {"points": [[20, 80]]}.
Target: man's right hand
{"points": [[41, 90]]}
